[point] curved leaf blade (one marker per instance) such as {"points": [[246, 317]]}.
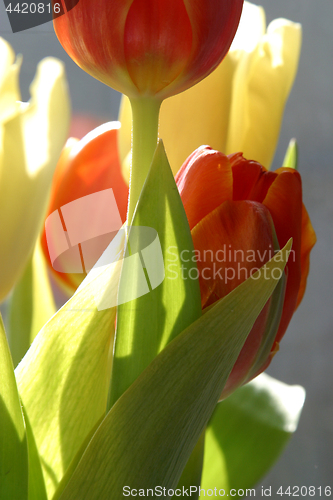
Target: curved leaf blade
{"points": [[291, 157], [149, 434], [37, 489], [248, 431], [146, 325], [63, 379], [13, 440], [31, 306]]}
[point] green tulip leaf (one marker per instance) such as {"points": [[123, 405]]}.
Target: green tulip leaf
{"points": [[191, 475], [37, 488], [149, 434], [248, 431], [31, 306], [13, 440], [146, 324], [63, 379], [291, 157]]}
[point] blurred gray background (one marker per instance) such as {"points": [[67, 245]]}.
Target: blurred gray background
{"points": [[307, 350]]}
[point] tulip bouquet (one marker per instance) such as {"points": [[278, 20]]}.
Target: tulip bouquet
{"points": [[184, 264]]}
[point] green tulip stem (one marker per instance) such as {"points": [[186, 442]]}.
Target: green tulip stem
{"points": [[145, 112]]}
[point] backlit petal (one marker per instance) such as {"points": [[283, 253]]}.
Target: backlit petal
{"points": [[31, 144], [284, 201], [261, 85], [205, 171]]}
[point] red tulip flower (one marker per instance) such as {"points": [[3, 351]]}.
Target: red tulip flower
{"points": [[234, 208], [148, 47]]}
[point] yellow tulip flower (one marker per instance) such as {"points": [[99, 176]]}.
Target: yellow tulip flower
{"points": [[31, 138], [239, 107]]}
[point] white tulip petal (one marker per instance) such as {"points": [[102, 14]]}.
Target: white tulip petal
{"points": [[9, 81], [261, 86], [251, 28], [30, 145]]}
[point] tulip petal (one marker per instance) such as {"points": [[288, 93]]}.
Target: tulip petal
{"points": [[205, 171], [204, 109], [153, 48], [232, 242], [262, 82], [7, 58], [269, 347], [156, 57], [83, 30], [9, 82], [203, 112], [251, 181], [200, 122], [85, 168], [308, 241], [252, 27], [31, 144], [240, 105], [89, 166], [213, 26], [284, 201]]}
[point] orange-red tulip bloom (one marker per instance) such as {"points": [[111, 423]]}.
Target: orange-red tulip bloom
{"points": [[86, 167], [236, 209], [231, 203], [149, 47]]}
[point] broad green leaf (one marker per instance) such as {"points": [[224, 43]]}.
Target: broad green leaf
{"points": [[248, 431], [13, 440], [146, 325], [37, 489], [149, 434], [30, 307], [191, 475], [63, 379], [291, 158]]}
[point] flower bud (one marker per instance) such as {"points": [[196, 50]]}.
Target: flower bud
{"points": [[87, 206], [236, 209], [240, 106], [149, 47]]}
